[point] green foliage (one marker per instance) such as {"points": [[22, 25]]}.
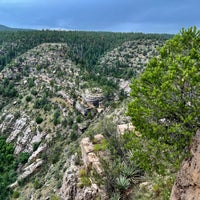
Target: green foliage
{"points": [[7, 88], [101, 146], [73, 135], [37, 184], [41, 102], [7, 167], [56, 119], [122, 183], [119, 171], [31, 82], [115, 196], [84, 182], [23, 157], [39, 119], [34, 92], [54, 197], [79, 118], [85, 49], [15, 194], [64, 123], [84, 178], [36, 145], [28, 98], [165, 102], [160, 188]]}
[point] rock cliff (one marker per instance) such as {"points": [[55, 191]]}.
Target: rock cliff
{"points": [[187, 184], [73, 187]]}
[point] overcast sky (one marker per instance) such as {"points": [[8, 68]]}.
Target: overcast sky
{"points": [[150, 16]]}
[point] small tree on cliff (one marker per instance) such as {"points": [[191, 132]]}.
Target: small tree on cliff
{"points": [[166, 101]]}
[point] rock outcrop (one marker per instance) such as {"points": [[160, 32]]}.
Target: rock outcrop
{"points": [[187, 184], [90, 159], [82, 108], [20, 130], [93, 97], [71, 190], [122, 128], [27, 171]]}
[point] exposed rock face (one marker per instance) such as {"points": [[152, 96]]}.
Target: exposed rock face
{"points": [[27, 171], [36, 153], [68, 99], [70, 189], [93, 97], [90, 159], [18, 126], [30, 169], [69, 186], [187, 184], [81, 108], [20, 132], [124, 85]]}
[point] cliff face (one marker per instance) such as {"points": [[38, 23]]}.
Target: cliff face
{"points": [[187, 184]]}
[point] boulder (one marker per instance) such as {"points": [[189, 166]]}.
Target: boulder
{"points": [[122, 128]]}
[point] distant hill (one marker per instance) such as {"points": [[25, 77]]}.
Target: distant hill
{"points": [[6, 28]]}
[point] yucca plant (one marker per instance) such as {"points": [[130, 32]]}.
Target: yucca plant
{"points": [[131, 172], [115, 196], [122, 183]]}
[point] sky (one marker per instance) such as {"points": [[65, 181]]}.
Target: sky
{"points": [[148, 16]]}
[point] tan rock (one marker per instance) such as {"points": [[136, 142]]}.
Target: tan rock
{"points": [[187, 184], [122, 128], [98, 138], [90, 159]]}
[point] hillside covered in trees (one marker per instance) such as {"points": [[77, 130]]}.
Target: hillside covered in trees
{"points": [[64, 96]]}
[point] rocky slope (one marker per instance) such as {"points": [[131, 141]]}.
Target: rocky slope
{"points": [[52, 108]]}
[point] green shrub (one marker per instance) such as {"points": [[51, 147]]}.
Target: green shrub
{"points": [[64, 123], [39, 119], [116, 196], [8, 166], [37, 184], [31, 82], [23, 157], [82, 172], [101, 146], [36, 145], [56, 119], [85, 181], [15, 194], [34, 92], [164, 104], [54, 197], [28, 98], [73, 136]]}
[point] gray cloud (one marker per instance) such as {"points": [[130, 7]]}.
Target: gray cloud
{"points": [[105, 15]]}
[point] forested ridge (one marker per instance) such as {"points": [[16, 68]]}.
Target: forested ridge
{"points": [[86, 47]]}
